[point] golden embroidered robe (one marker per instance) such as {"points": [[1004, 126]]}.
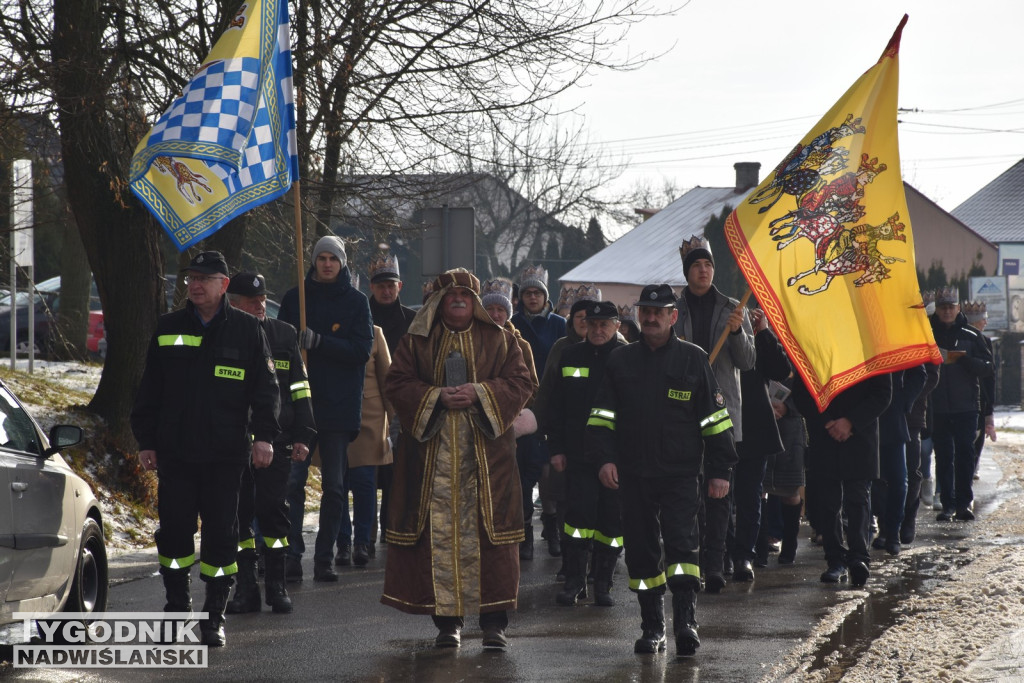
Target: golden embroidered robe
{"points": [[455, 515]]}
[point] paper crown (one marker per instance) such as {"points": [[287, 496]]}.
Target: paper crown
{"points": [[534, 276], [588, 292], [975, 310], [501, 286], [693, 244], [947, 295], [927, 297], [627, 312], [383, 266], [566, 298]]}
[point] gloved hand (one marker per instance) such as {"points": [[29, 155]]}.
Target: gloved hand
{"points": [[309, 339]]}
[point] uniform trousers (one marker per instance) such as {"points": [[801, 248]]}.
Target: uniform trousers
{"points": [[531, 455], [953, 437], [188, 492], [658, 510], [594, 511], [262, 497], [833, 497]]}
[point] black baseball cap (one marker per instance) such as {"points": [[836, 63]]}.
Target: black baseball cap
{"points": [[248, 284], [208, 262], [661, 296], [602, 310]]}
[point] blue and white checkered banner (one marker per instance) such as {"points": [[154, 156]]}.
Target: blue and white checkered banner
{"points": [[227, 143]]}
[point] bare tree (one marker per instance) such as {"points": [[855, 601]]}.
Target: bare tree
{"points": [[395, 87], [97, 69], [384, 86]]}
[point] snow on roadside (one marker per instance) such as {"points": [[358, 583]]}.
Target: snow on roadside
{"points": [[968, 628]]}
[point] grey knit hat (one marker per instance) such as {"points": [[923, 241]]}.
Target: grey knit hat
{"points": [[497, 291], [333, 245], [534, 276]]}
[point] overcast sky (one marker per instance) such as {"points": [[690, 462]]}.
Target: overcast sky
{"points": [[744, 80]]}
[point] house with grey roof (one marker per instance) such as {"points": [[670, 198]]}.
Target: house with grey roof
{"points": [[996, 212]]}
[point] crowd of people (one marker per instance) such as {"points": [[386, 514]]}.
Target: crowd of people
{"points": [[673, 431]]}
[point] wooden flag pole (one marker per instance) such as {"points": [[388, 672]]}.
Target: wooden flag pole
{"points": [[725, 332], [297, 196]]}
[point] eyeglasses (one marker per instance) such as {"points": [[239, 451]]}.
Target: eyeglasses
{"points": [[202, 279]]}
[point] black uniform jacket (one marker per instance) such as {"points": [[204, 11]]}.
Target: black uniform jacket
{"points": [[958, 390], [861, 404], [296, 416], [659, 413], [200, 385], [575, 380]]}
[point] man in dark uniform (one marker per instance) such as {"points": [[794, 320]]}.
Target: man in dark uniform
{"points": [[592, 520], [659, 419], [208, 385], [956, 404], [393, 319], [841, 464], [263, 491]]}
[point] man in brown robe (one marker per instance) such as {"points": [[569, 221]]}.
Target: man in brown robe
{"points": [[455, 515]]}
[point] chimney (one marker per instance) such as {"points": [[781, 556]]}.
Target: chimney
{"points": [[746, 175]]}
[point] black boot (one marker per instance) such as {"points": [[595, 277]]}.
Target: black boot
{"points": [[605, 560], [277, 596], [212, 628], [526, 547], [552, 534], [790, 532], [177, 586], [684, 623], [576, 557], [247, 587], [652, 623]]}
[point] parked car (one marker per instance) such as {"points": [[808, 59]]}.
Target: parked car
{"points": [[42, 322], [52, 553]]}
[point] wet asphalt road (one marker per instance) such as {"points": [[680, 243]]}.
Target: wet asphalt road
{"points": [[341, 631]]}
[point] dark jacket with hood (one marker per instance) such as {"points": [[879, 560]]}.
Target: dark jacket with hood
{"points": [[958, 390], [541, 331], [340, 314]]}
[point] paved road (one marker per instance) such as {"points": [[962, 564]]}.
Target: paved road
{"points": [[341, 631]]}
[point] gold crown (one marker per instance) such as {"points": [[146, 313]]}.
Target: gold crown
{"points": [[974, 310], [588, 292], [383, 264], [695, 242], [500, 285], [535, 274]]}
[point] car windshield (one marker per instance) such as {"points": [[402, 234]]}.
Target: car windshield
{"points": [[21, 299]]}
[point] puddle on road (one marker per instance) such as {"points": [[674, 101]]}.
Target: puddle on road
{"points": [[881, 609]]}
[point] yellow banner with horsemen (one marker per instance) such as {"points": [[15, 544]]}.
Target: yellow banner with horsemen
{"points": [[826, 245]]}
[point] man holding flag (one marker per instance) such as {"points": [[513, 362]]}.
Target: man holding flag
{"points": [[826, 245]]}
